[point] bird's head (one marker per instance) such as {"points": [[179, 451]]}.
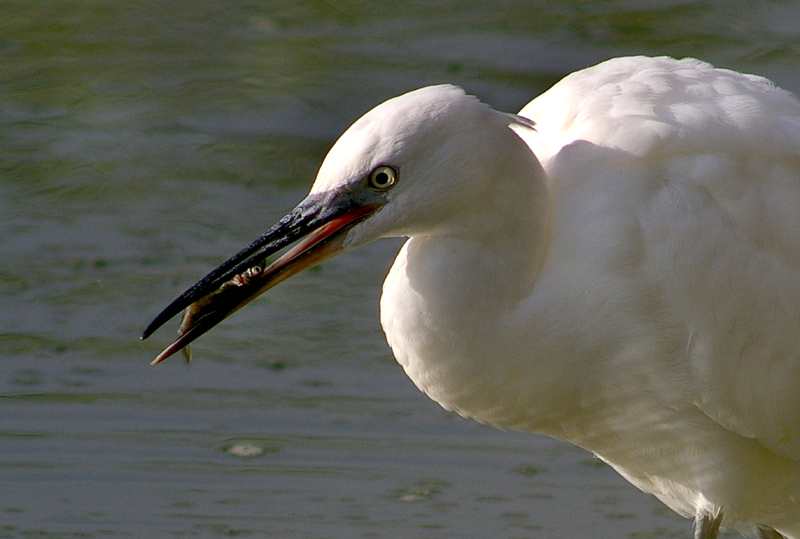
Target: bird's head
{"points": [[407, 167]]}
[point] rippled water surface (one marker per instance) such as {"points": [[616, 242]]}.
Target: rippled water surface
{"points": [[142, 143]]}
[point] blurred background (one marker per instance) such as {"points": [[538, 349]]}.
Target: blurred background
{"points": [[142, 143]]}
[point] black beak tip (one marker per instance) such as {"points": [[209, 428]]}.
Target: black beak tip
{"points": [[150, 329]]}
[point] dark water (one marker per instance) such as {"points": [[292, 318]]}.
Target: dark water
{"points": [[142, 143]]}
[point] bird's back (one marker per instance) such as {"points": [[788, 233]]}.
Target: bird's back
{"points": [[676, 193], [659, 106]]}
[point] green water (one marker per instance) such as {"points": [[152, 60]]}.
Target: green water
{"points": [[142, 143]]}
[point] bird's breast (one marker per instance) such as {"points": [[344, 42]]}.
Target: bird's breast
{"points": [[451, 316], [440, 327]]}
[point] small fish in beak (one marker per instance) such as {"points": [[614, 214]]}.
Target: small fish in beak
{"points": [[320, 223]]}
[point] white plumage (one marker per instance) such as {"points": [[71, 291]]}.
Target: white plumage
{"points": [[625, 276]]}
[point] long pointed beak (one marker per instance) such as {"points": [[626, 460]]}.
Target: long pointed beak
{"points": [[323, 220]]}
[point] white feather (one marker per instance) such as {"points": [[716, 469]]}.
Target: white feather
{"points": [[626, 279]]}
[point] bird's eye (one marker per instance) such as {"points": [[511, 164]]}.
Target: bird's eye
{"points": [[382, 178]]}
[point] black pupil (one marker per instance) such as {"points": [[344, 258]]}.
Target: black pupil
{"points": [[381, 178]]}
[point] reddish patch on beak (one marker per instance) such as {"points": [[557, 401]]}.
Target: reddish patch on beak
{"points": [[204, 313]]}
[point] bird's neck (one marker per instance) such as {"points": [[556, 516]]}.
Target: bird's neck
{"points": [[449, 301]]}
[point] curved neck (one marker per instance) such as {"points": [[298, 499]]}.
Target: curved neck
{"points": [[447, 295], [497, 249]]}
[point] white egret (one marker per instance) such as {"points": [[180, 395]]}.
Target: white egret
{"points": [[617, 266]]}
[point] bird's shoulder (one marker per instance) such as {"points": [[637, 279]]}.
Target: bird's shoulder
{"points": [[649, 106], [684, 180]]}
